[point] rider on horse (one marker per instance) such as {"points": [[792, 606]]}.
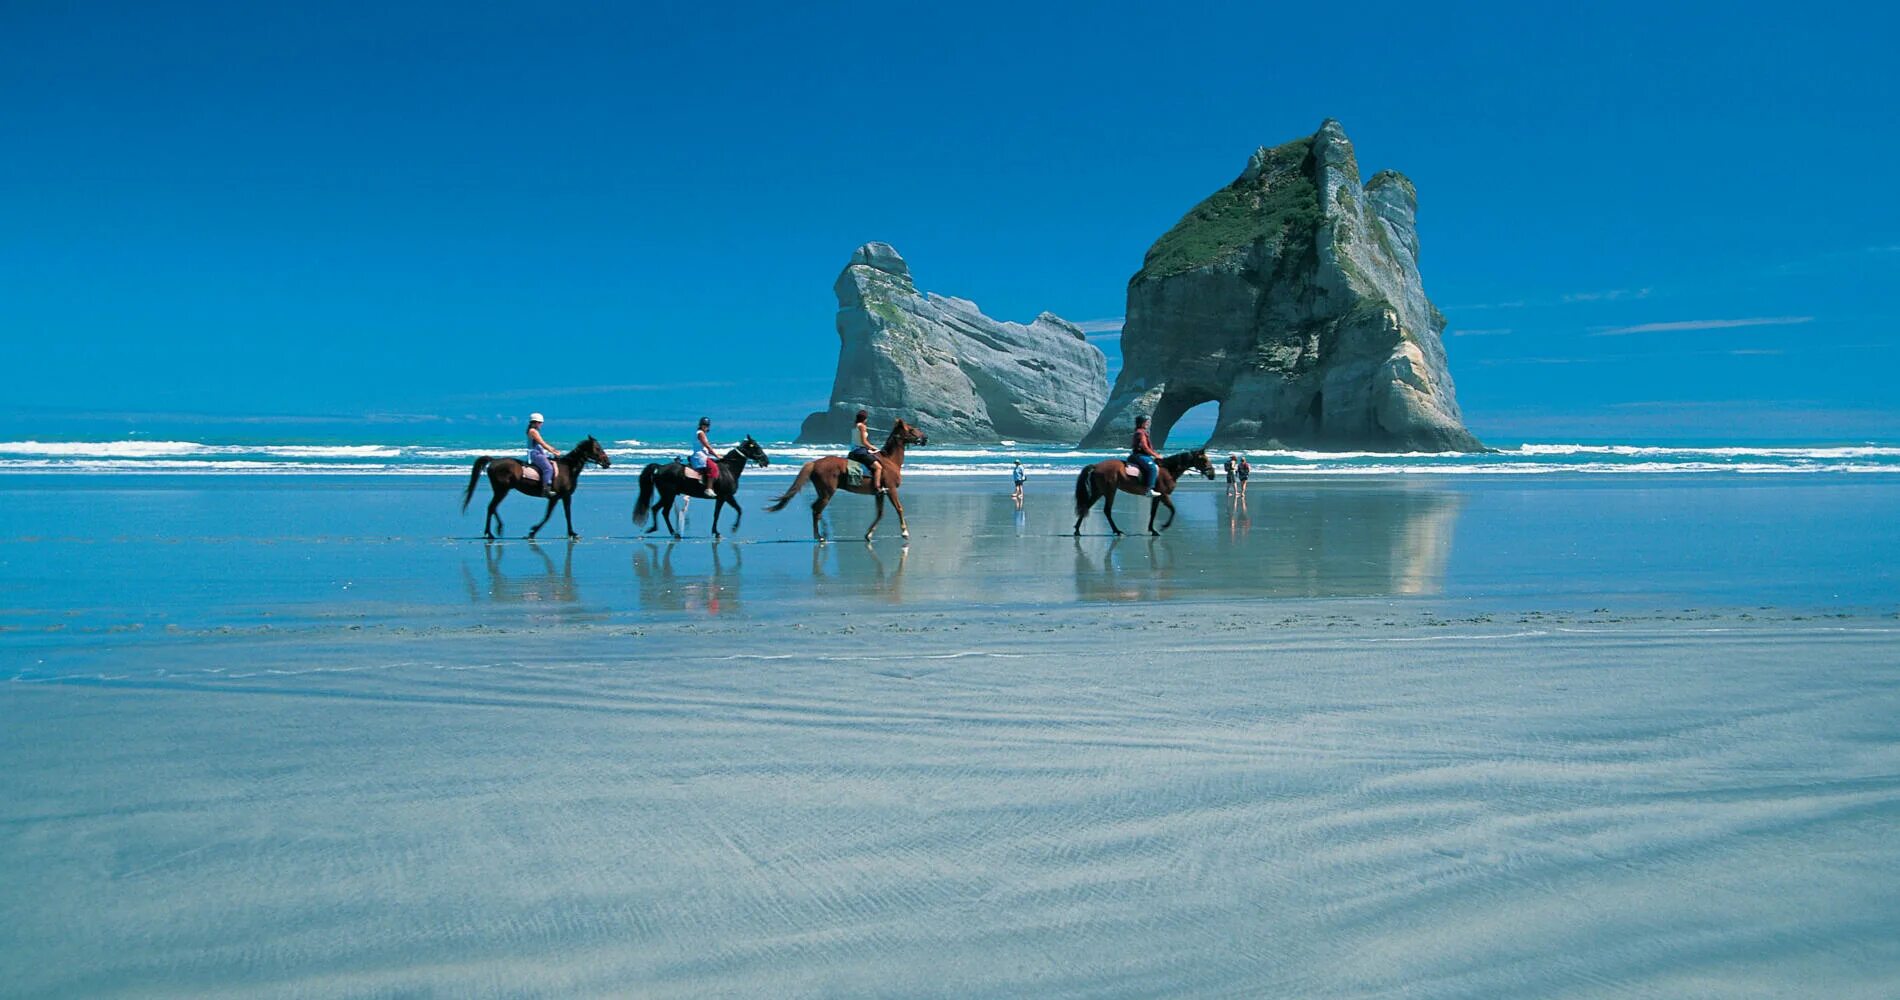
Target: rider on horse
{"points": [[1145, 455], [864, 454], [541, 453], [704, 458]]}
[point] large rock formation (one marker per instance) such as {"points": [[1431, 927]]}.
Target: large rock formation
{"points": [[1292, 298], [941, 364]]}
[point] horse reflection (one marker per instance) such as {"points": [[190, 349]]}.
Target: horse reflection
{"points": [[535, 580], [662, 587], [859, 569], [1136, 572]]}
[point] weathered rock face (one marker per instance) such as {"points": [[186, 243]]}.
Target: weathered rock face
{"points": [[941, 364], [1292, 298]]}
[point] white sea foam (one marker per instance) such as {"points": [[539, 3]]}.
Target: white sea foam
{"points": [[181, 457]]}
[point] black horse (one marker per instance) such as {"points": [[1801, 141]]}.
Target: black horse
{"points": [[1102, 480], [507, 474], [669, 479]]}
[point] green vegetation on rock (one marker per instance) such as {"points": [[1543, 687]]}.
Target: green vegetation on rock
{"points": [[1278, 201]]}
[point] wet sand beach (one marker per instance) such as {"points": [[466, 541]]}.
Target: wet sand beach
{"points": [[1380, 738]]}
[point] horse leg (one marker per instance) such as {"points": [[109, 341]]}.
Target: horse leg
{"points": [[1165, 501], [818, 511], [493, 520], [879, 517], [567, 511], [1108, 511], [544, 518], [903, 526], [738, 513], [1085, 511], [719, 507]]}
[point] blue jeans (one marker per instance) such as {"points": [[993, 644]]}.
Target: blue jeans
{"points": [[1149, 470], [539, 459]]}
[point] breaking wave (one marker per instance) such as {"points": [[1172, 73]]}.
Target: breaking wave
{"points": [[134, 457]]}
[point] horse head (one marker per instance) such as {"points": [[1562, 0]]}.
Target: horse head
{"points": [[1199, 458], [901, 431], [751, 450], [591, 451]]}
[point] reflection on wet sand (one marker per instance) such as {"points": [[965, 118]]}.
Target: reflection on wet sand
{"points": [[975, 547], [661, 587], [1144, 572], [534, 578], [845, 567], [1289, 542]]}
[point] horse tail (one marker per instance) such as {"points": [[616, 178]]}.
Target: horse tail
{"points": [[645, 503], [474, 476], [804, 476], [1084, 494]]}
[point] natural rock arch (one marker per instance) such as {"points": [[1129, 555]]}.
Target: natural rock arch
{"points": [[1292, 298]]}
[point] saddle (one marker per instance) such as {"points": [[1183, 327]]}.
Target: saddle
{"points": [[1131, 470], [855, 473]]}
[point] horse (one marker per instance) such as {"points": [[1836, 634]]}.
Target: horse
{"points": [[1101, 480], [506, 474], [669, 479], [827, 477]]}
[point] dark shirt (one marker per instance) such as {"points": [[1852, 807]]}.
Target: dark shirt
{"points": [[1141, 445]]}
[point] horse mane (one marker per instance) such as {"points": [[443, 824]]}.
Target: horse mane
{"points": [[1182, 460], [896, 436], [580, 450]]}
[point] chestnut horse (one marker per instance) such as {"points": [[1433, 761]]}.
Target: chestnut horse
{"points": [[1101, 480], [826, 476], [505, 474], [669, 480]]}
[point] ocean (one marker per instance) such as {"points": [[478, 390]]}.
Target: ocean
{"points": [[450, 458]]}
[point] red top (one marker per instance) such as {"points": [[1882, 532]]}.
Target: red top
{"points": [[1142, 447]]}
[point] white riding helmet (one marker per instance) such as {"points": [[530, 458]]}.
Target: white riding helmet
{"points": [[536, 418]]}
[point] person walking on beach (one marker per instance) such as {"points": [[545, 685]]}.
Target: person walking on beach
{"points": [[1018, 477], [863, 453], [704, 458], [1242, 472], [1232, 461], [1144, 455], [541, 453]]}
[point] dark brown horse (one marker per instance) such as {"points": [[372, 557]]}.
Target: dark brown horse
{"points": [[506, 474], [827, 477], [669, 480], [1101, 481]]}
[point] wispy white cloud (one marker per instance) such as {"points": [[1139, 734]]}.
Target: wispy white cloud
{"points": [[1612, 295], [1754, 351], [1702, 324], [1889, 248], [1496, 332], [1514, 304], [1111, 324]]}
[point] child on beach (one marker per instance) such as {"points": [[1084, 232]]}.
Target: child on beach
{"points": [[1242, 472], [1018, 476]]}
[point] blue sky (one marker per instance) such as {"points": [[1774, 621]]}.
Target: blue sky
{"points": [[1643, 221]]}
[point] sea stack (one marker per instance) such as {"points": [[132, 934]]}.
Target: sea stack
{"points": [[940, 364], [1292, 298]]}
